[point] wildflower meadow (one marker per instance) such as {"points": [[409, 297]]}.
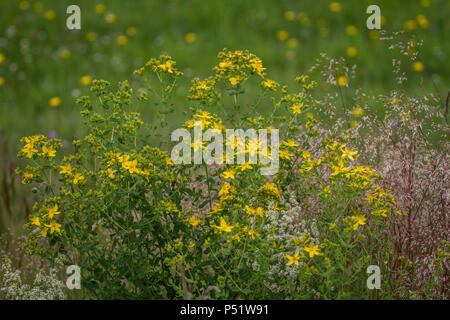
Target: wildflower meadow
{"points": [[230, 150]]}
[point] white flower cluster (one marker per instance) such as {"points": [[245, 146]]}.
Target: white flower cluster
{"points": [[44, 287], [283, 226]]}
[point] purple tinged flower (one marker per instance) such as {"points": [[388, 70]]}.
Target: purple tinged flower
{"points": [[394, 123], [52, 134]]}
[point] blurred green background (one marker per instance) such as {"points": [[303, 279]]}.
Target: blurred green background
{"points": [[41, 59]]}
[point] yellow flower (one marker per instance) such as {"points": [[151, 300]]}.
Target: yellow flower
{"points": [[29, 150], [422, 21], [167, 66], [347, 153], [52, 211], [374, 34], [425, 3], [224, 226], [169, 161], [2, 81], [85, 80], [190, 37], [358, 112], [49, 15], [2, 58], [54, 227], [54, 102], [131, 31], [335, 6], [282, 35], [48, 151], [26, 177], [284, 154], [194, 221], [290, 143], [245, 166], [91, 36], [342, 81], [226, 189], [38, 7], [77, 178], [110, 18], [292, 259], [131, 166], [289, 15], [35, 221], [292, 43], [100, 8], [269, 84], [234, 80], [358, 220], [66, 170], [24, 5], [352, 51], [229, 174], [418, 66], [110, 173], [409, 25], [296, 108], [44, 232], [351, 30], [64, 54], [121, 40], [312, 249]]}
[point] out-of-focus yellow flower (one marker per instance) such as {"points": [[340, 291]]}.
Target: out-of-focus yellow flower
{"points": [[100, 8], [374, 34], [38, 7], [352, 51], [289, 15], [282, 35], [131, 31], [335, 6], [292, 43], [54, 102], [2, 58], [190, 37], [418, 66], [110, 18], [91, 36], [425, 3], [49, 15], [383, 20], [121, 40], [422, 21], [303, 18], [323, 32], [290, 55], [409, 25], [64, 53], [85, 80], [24, 5], [358, 111], [342, 81], [2, 81], [351, 30]]}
